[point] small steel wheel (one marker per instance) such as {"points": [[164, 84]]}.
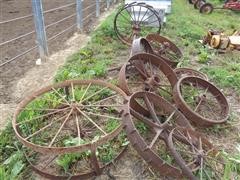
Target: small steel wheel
{"points": [[196, 156], [206, 8], [147, 72], [180, 72], [148, 134], [135, 20], [200, 101], [71, 116], [198, 4], [165, 48]]}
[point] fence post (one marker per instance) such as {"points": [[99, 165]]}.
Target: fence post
{"points": [[40, 28], [108, 4], [79, 15], [97, 8]]}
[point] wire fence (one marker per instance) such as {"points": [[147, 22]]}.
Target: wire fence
{"points": [[82, 14]]}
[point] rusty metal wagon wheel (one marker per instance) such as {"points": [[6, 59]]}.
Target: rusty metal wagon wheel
{"points": [[70, 116], [206, 8], [196, 156], [200, 101], [148, 134], [147, 72], [180, 72], [165, 48], [78, 165], [135, 20]]}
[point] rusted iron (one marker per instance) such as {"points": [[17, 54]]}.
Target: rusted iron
{"points": [[44, 170], [147, 72], [163, 118], [165, 48], [70, 117], [130, 23], [180, 72], [192, 151], [200, 101], [140, 45]]}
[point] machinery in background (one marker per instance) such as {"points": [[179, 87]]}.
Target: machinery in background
{"points": [[218, 40], [207, 8]]}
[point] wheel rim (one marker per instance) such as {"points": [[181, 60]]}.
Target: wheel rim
{"points": [[130, 23], [148, 136], [180, 72], [195, 154], [165, 48], [201, 101], [63, 112], [146, 72]]}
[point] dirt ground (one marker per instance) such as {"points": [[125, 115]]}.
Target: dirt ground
{"points": [[10, 9], [22, 76]]}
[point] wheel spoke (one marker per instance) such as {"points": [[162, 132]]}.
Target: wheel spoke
{"points": [[155, 137], [73, 95], [105, 116], [45, 115], [88, 118], [151, 109], [94, 94], [143, 16], [107, 98], [59, 130], [62, 97], [78, 129], [45, 127], [81, 100]]}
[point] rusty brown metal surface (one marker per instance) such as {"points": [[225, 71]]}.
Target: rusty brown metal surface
{"points": [[140, 45], [165, 48], [210, 106], [180, 72], [153, 73], [75, 105], [158, 109], [193, 153], [86, 175]]}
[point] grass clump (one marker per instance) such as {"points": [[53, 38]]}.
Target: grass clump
{"points": [[92, 61]]}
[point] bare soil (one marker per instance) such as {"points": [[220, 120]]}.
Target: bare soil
{"points": [[10, 9], [22, 76]]}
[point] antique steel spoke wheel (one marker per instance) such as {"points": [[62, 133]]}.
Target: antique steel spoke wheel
{"points": [[148, 133], [76, 121], [200, 101], [147, 72], [196, 156], [165, 48], [135, 20]]}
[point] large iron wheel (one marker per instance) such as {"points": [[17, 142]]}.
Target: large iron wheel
{"points": [[196, 156], [70, 116], [147, 72], [135, 20], [148, 133], [165, 48]]}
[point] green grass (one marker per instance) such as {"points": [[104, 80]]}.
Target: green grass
{"points": [[185, 26], [93, 60]]}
